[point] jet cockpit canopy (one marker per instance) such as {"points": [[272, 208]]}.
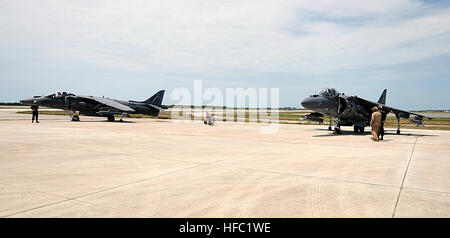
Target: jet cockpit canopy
{"points": [[328, 92], [58, 94]]}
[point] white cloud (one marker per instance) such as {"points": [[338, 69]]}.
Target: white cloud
{"points": [[309, 37]]}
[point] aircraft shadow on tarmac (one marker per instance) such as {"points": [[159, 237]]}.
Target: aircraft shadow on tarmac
{"points": [[347, 133], [162, 121], [125, 121], [105, 121]]}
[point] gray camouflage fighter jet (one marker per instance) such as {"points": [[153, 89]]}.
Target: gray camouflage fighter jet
{"points": [[98, 106], [352, 110]]}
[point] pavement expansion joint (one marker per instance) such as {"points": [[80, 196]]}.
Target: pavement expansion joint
{"points": [[404, 177]]}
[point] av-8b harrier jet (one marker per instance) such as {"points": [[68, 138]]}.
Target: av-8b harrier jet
{"points": [[98, 106], [352, 110]]}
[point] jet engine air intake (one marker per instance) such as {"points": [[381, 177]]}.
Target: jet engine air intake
{"points": [[342, 105], [350, 108]]}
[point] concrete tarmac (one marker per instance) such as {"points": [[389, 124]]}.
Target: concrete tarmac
{"points": [[163, 168]]}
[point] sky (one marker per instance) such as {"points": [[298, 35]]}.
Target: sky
{"points": [[131, 49]]}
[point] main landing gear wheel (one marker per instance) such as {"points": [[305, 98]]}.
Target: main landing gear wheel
{"points": [[329, 128], [75, 118], [111, 118], [398, 132]]}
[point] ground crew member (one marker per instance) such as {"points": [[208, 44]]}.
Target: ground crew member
{"points": [[209, 119], [35, 109], [375, 123], [383, 120]]}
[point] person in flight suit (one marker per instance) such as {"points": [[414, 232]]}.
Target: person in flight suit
{"points": [[383, 120], [35, 109], [375, 123]]}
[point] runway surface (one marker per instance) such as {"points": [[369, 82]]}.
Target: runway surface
{"points": [[163, 168]]}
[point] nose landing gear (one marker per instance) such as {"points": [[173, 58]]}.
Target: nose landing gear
{"points": [[337, 127], [329, 125], [74, 116]]}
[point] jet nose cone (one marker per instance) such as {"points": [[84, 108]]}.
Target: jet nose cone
{"points": [[28, 101], [308, 103]]}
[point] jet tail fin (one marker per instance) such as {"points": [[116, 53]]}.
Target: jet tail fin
{"points": [[382, 99], [156, 99]]}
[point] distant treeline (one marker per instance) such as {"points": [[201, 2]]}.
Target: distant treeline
{"points": [[167, 106], [11, 104], [224, 107]]}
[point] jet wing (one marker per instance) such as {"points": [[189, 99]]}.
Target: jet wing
{"points": [[397, 112], [109, 102]]}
